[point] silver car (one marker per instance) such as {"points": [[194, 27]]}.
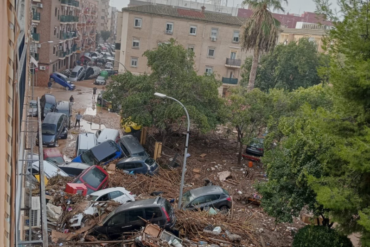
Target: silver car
{"points": [[100, 80], [33, 108]]}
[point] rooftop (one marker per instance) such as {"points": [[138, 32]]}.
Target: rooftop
{"points": [[191, 14]]}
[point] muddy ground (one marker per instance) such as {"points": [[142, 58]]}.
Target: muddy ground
{"points": [[217, 148]]}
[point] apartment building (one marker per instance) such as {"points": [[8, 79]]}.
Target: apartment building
{"points": [[14, 41], [102, 20], [117, 52], [112, 23], [214, 38], [312, 32], [61, 30]]}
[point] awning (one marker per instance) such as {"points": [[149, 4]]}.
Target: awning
{"points": [[32, 60]]}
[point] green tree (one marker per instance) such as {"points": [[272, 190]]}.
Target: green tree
{"points": [[173, 74], [260, 32], [287, 67], [319, 236], [105, 35], [247, 113]]}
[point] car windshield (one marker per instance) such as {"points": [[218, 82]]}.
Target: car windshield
{"points": [[56, 160], [150, 161], [93, 198], [48, 106], [88, 158], [257, 143], [48, 129], [108, 217], [100, 78], [139, 154], [94, 177], [73, 74]]}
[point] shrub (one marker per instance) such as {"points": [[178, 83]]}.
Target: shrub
{"points": [[320, 236]]}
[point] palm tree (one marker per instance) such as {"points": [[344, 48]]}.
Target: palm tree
{"points": [[260, 31]]}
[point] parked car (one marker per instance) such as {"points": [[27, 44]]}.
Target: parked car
{"points": [[66, 108], [77, 73], [101, 154], [131, 147], [62, 80], [48, 104], [92, 72], [255, 147], [112, 72], [138, 165], [118, 194], [85, 142], [95, 178], [54, 127], [101, 101], [54, 156], [107, 134], [100, 80], [206, 197], [73, 169], [109, 65], [125, 218], [50, 169], [32, 111]]}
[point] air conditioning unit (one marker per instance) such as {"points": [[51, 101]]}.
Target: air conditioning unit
{"points": [[42, 67], [40, 5], [35, 214], [213, 38]]}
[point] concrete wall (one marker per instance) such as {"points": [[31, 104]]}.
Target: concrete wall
{"points": [[153, 32]]}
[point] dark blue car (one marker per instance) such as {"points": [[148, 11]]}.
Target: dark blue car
{"points": [[138, 165], [101, 154], [62, 80]]}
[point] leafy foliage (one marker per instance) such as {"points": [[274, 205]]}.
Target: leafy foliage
{"points": [[260, 31], [172, 74], [319, 236], [105, 35], [287, 67]]}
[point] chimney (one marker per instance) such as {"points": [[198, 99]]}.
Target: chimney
{"points": [[203, 8]]}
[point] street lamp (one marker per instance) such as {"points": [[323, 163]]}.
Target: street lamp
{"points": [[161, 95], [34, 52]]}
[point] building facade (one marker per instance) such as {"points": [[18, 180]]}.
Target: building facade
{"points": [[213, 37], [102, 19], [313, 33], [117, 53], [61, 30], [14, 44], [113, 22]]}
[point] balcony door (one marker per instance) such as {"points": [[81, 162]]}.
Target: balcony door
{"points": [[233, 55]]}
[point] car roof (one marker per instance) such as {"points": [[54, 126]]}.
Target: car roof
{"points": [[101, 150], [63, 105], [137, 158], [76, 165], [139, 204], [52, 117], [132, 144], [60, 74], [77, 68], [107, 134], [206, 190], [52, 152], [49, 97], [102, 192], [49, 168]]}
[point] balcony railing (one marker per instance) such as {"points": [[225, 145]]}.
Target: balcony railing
{"points": [[233, 62], [68, 18], [36, 16], [36, 36], [61, 54], [226, 80], [71, 2]]}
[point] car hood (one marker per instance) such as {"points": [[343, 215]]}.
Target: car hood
{"points": [[48, 138]]}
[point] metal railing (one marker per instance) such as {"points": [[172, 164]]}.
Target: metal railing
{"points": [[233, 62], [36, 16], [227, 80], [68, 18], [71, 2], [36, 36]]}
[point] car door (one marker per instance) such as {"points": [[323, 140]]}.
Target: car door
{"points": [[134, 223], [116, 225], [212, 201], [155, 216], [198, 203], [118, 196]]}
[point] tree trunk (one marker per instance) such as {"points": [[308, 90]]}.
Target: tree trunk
{"points": [[253, 72]]}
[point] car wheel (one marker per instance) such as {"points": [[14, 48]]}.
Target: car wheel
{"points": [[224, 209], [102, 237]]}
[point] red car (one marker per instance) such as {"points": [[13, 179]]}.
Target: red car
{"points": [[95, 178], [54, 156]]}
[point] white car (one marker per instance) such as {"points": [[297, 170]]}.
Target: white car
{"points": [[50, 169], [109, 65], [118, 194]]}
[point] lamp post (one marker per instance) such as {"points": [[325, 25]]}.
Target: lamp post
{"points": [[34, 69], [160, 95]]}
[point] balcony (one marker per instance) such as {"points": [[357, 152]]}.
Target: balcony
{"points": [[61, 54], [36, 37], [36, 17], [68, 18], [36, 56], [234, 63], [227, 80], [71, 3]]}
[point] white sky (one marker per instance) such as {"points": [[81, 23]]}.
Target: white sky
{"points": [[293, 6]]}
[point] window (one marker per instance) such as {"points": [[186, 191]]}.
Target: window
{"points": [[199, 200], [118, 46], [55, 31], [134, 62], [135, 43], [233, 55], [214, 33], [134, 214], [169, 28], [191, 48], [56, 11], [137, 22], [94, 177], [211, 52], [115, 194], [193, 30], [209, 70], [210, 198], [103, 198], [152, 213], [236, 37], [118, 219]]}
